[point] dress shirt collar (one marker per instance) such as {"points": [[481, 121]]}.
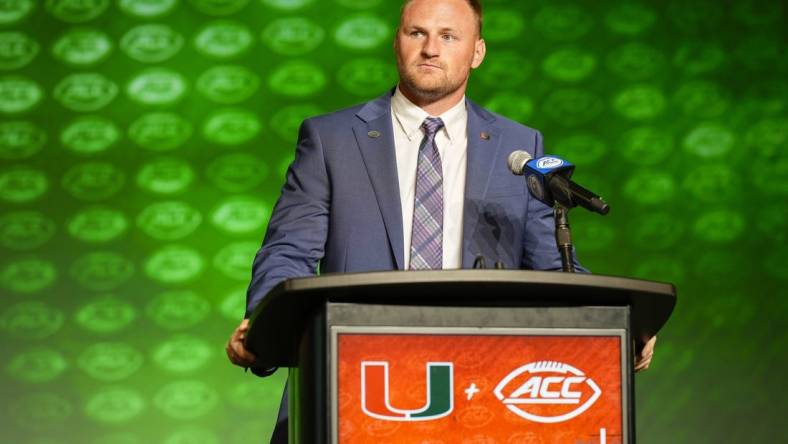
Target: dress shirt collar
{"points": [[410, 117]]}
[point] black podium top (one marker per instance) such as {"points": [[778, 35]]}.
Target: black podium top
{"points": [[278, 321]]}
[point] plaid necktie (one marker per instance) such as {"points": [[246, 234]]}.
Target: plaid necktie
{"points": [[426, 244]]}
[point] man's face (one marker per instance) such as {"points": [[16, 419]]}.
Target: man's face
{"points": [[437, 44]]}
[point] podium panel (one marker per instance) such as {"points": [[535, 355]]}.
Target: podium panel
{"points": [[469, 356], [443, 374], [496, 385]]}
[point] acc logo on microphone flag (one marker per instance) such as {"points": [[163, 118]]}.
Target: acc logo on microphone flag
{"points": [[549, 163]]}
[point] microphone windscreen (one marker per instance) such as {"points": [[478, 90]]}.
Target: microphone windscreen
{"points": [[517, 161]]}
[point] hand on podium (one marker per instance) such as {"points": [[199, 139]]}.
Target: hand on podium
{"points": [[643, 358], [236, 351]]}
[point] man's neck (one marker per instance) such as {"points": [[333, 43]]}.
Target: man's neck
{"points": [[434, 107]]}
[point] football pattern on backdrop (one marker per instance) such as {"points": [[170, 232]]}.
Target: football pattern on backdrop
{"points": [[143, 144]]}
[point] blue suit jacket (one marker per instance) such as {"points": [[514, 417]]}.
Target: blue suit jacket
{"points": [[340, 205]]}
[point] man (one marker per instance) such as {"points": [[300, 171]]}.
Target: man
{"points": [[416, 179]]}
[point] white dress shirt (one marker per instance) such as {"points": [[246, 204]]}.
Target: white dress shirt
{"points": [[452, 142]]}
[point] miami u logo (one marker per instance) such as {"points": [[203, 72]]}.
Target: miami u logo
{"points": [[375, 393]]}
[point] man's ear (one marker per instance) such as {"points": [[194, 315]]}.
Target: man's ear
{"points": [[478, 53]]}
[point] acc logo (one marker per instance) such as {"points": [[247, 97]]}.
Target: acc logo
{"points": [[93, 180], [37, 366], [297, 78], [223, 39], [105, 315], [233, 302], [570, 65], [640, 102], [19, 94], [110, 361], [40, 409], [219, 7], [20, 139], [359, 4], [102, 270], [174, 264], [363, 76], [228, 84], [240, 215], [31, 320], [99, 224], [114, 405], [77, 11], [151, 43], [363, 31], [237, 172], [186, 399], [25, 230], [231, 127], [553, 392], [165, 176], [169, 220], [22, 184], [234, 259], [293, 35], [286, 121], [147, 8], [182, 354], [28, 275], [15, 10], [90, 135], [288, 5], [573, 107], [157, 86], [82, 47], [160, 131], [549, 163], [375, 393], [85, 91], [16, 50], [178, 309]]}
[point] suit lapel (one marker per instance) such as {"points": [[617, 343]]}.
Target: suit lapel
{"points": [[375, 137], [483, 145]]}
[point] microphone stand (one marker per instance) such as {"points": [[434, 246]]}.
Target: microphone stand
{"points": [[563, 238]]}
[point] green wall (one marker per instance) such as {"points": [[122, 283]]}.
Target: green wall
{"points": [[143, 143]]}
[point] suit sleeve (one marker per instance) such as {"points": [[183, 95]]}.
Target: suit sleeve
{"points": [[295, 240], [539, 246]]}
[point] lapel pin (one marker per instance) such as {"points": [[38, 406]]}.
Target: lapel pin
{"points": [[374, 134], [485, 135]]}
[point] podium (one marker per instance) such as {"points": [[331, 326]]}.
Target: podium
{"points": [[457, 356]]}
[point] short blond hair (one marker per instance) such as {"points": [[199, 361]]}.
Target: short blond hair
{"points": [[476, 5]]}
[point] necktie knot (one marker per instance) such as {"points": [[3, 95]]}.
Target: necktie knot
{"points": [[431, 126]]}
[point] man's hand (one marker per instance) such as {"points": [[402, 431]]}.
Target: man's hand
{"points": [[236, 351], [643, 359]]}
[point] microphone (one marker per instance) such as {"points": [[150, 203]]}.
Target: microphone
{"points": [[548, 180]]}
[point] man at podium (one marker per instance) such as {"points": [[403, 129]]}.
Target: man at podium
{"points": [[415, 179]]}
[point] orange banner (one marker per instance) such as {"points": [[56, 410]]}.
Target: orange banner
{"points": [[479, 389]]}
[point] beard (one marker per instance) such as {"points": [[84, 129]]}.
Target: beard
{"points": [[429, 86]]}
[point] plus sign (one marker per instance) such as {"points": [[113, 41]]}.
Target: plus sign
{"points": [[471, 390]]}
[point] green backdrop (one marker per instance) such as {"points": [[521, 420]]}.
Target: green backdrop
{"points": [[143, 144]]}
